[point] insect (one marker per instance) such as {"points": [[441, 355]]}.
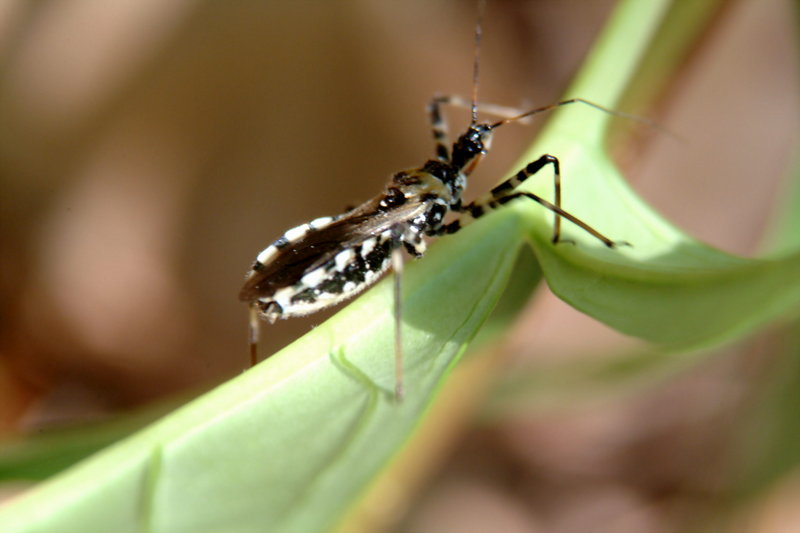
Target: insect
{"points": [[330, 259]]}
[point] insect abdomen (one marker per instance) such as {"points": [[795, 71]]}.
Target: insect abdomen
{"points": [[346, 273]]}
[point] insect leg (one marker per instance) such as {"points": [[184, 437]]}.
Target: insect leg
{"points": [[253, 333], [397, 266], [489, 201], [561, 213], [505, 192], [530, 169], [439, 127]]}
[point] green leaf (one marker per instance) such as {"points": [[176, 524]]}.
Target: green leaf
{"points": [[291, 445], [769, 447], [229, 460], [45, 454], [784, 234], [666, 287]]}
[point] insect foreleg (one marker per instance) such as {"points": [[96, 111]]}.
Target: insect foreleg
{"points": [[439, 127], [505, 192]]}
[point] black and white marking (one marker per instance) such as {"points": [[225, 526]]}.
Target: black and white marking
{"points": [[331, 259]]}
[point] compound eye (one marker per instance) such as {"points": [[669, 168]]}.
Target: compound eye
{"points": [[393, 198]]}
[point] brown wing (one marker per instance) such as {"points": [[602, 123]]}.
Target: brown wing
{"points": [[316, 247]]}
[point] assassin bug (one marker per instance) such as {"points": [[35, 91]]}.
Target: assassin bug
{"points": [[331, 259]]}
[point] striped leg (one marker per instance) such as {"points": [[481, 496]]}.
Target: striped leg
{"points": [[504, 193], [489, 201], [561, 213], [505, 188], [439, 127]]}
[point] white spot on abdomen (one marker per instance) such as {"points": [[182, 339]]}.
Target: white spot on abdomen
{"points": [[367, 246], [295, 233], [314, 278], [321, 222], [266, 254], [344, 258]]}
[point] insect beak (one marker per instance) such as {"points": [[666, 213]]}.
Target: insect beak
{"points": [[473, 163]]}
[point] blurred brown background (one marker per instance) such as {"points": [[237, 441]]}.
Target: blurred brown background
{"points": [[150, 149]]}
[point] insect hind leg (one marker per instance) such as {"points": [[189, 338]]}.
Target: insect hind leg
{"points": [[270, 311], [254, 328]]}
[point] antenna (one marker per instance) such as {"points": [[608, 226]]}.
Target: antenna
{"points": [[476, 62], [629, 116]]}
